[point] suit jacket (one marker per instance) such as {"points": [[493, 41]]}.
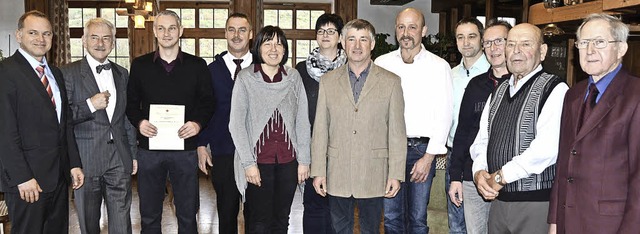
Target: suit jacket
{"points": [[33, 143], [359, 146], [597, 184], [93, 130]]}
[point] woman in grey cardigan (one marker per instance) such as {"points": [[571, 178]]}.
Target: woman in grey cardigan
{"points": [[270, 129]]}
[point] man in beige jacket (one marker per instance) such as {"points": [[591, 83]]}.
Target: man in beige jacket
{"points": [[359, 140]]}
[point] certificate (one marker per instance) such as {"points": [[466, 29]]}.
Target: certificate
{"points": [[168, 119]]}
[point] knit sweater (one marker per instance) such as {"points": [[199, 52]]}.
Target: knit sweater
{"points": [[253, 103]]}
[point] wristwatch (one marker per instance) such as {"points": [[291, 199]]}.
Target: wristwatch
{"points": [[498, 178]]}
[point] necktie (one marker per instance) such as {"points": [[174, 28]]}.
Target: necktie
{"points": [[237, 62], [45, 83], [106, 66], [589, 103]]}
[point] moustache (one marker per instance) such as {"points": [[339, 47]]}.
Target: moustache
{"points": [[406, 37], [236, 39]]}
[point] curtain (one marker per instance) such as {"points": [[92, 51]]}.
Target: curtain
{"points": [[59, 15]]}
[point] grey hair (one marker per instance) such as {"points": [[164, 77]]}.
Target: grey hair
{"points": [[359, 24], [168, 13], [619, 30], [99, 22]]}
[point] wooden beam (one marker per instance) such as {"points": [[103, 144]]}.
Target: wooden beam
{"points": [[466, 10], [454, 20], [489, 10], [347, 9], [252, 8], [443, 23], [525, 11]]}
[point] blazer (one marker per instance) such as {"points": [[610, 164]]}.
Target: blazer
{"points": [[597, 183], [34, 144], [94, 130], [359, 146]]}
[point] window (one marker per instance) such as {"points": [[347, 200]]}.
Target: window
{"points": [[81, 12]]}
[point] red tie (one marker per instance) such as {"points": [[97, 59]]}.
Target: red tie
{"points": [[45, 83]]}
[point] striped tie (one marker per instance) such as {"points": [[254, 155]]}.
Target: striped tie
{"points": [[45, 83]]}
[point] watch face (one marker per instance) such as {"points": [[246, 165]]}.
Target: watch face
{"points": [[498, 178]]}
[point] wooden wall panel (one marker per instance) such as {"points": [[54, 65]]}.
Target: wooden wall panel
{"points": [[347, 9]]}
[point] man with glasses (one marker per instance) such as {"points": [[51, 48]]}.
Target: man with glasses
{"points": [[517, 143], [97, 92], [476, 209], [597, 185]]}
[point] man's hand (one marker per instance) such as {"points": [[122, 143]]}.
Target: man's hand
{"points": [[101, 100], [135, 167], [77, 178], [189, 129], [553, 228], [320, 185], [421, 168], [455, 193], [303, 173], [253, 175], [492, 182], [481, 179], [392, 188], [30, 191], [204, 159], [147, 129]]}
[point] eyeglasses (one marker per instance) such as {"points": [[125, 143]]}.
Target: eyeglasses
{"points": [[330, 31], [497, 42], [598, 43]]}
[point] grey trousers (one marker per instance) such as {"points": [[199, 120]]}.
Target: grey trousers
{"points": [[476, 209], [518, 217]]}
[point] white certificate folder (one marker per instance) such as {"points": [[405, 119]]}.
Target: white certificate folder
{"points": [[168, 119]]}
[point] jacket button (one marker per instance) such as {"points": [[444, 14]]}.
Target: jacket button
{"points": [[574, 152], [570, 179], [356, 110], [354, 131]]}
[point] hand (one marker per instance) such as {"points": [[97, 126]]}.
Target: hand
{"points": [[100, 100], [303, 173], [455, 193], [135, 167], [30, 191], [492, 182], [253, 175], [77, 177], [421, 169], [392, 188], [320, 185], [147, 129], [204, 159], [189, 129], [481, 179], [553, 228]]}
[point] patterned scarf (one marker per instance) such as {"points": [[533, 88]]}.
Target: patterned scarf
{"points": [[318, 65]]}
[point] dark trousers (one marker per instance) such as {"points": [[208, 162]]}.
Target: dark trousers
{"points": [[316, 218], [269, 205], [153, 168], [227, 195], [369, 213], [50, 214]]}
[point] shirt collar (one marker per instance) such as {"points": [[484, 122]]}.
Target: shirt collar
{"points": [[32, 61], [482, 63], [156, 55], [524, 79], [364, 72], [258, 68], [93, 63], [603, 83], [421, 55]]}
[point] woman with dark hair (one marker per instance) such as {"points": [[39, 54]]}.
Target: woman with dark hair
{"points": [[324, 58], [271, 131]]}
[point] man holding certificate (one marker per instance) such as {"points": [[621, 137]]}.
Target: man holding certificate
{"points": [[169, 101]]}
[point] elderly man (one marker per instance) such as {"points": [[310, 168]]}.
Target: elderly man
{"points": [[39, 153], [179, 81], [516, 146], [426, 131], [359, 140], [597, 184], [97, 91], [476, 209]]}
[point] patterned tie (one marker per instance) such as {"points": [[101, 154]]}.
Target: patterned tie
{"points": [[45, 83], [237, 62], [589, 103], [106, 66]]}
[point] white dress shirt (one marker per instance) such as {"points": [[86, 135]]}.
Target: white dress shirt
{"points": [[247, 59], [52, 81], [426, 84], [461, 78], [543, 150], [105, 82]]}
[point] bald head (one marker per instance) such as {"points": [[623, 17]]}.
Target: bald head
{"points": [[525, 49], [413, 12]]}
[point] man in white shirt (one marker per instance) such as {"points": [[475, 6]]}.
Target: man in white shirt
{"points": [[517, 144], [428, 102]]}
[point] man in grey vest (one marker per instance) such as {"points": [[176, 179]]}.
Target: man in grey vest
{"points": [[517, 144]]}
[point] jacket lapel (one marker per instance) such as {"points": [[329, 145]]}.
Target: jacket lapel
{"points": [[32, 78], [121, 87], [91, 85], [345, 84], [370, 83], [606, 103]]}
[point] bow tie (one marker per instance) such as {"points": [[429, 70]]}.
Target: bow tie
{"points": [[101, 67]]}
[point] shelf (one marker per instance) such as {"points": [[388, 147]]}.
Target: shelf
{"points": [[540, 15]]}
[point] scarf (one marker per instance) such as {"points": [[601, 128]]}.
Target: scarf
{"points": [[318, 65]]}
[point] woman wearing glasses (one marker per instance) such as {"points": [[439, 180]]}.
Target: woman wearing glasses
{"points": [[324, 58], [271, 131]]}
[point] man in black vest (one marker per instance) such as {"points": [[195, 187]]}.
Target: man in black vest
{"points": [[516, 156]]}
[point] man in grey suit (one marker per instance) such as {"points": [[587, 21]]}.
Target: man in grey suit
{"points": [[96, 88]]}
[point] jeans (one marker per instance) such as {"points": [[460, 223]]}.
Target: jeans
{"points": [[316, 218], [476, 211], [369, 211], [456, 214], [407, 211]]}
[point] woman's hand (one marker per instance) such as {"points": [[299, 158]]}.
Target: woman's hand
{"points": [[253, 175], [303, 173]]}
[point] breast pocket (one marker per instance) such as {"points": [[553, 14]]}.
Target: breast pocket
{"points": [[611, 207]]}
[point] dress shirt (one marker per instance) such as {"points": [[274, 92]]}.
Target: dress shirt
{"points": [[426, 84], [603, 83], [247, 59], [461, 77], [52, 81], [105, 82], [543, 150], [357, 82]]}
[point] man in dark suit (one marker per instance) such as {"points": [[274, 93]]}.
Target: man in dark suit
{"points": [[39, 152], [97, 91], [597, 184]]}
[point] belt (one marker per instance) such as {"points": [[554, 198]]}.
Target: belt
{"points": [[110, 141], [417, 141]]}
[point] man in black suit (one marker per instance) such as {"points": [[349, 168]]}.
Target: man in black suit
{"points": [[39, 152]]}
